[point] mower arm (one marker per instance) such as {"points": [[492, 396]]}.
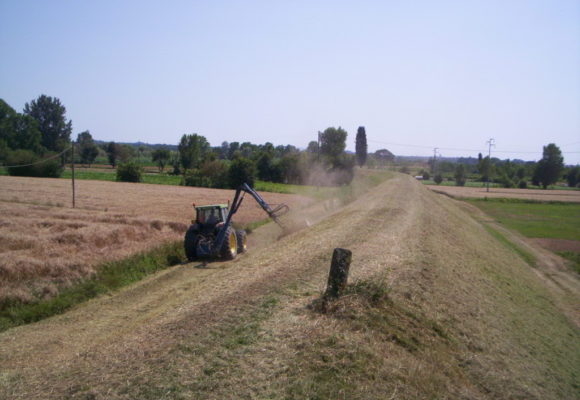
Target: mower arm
{"points": [[274, 213]]}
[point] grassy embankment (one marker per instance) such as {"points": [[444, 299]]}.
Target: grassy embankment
{"points": [[465, 318], [110, 276], [114, 275], [533, 219]]}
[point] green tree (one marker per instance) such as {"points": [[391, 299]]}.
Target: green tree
{"points": [[129, 172], [161, 157], [333, 143], [50, 116], [438, 178], [361, 146], [573, 176], [242, 170], [113, 153], [460, 175], [192, 149], [550, 167], [18, 131], [88, 150]]}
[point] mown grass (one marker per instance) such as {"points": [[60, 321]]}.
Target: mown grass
{"points": [[535, 219], [110, 276]]}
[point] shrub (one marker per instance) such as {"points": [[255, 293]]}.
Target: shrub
{"points": [[242, 170], [523, 184], [426, 175], [438, 179], [217, 173], [129, 172], [194, 177], [50, 168], [404, 170]]}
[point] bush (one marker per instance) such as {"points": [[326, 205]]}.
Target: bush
{"points": [[129, 172], [523, 184], [438, 179], [50, 168], [242, 170], [426, 175], [194, 177], [217, 172], [404, 170]]}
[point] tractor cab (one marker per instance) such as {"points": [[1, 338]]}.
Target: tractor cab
{"points": [[211, 215]]}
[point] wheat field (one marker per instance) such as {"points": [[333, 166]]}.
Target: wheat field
{"points": [[46, 245]]}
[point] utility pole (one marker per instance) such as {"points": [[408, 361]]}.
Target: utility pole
{"points": [[73, 173], [434, 159], [490, 142]]}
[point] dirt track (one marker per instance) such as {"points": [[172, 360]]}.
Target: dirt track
{"points": [[106, 347], [524, 194]]}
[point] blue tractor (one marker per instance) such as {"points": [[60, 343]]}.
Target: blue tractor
{"points": [[212, 235]]}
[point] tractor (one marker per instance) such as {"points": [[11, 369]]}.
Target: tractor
{"points": [[211, 234]]}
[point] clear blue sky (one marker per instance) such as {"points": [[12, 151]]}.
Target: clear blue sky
{"points": [[449, 74]]}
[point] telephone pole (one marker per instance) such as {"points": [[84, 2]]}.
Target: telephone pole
{"points": [[434, 159], [490, 142]]}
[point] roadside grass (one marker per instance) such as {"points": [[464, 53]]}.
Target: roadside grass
{"points": [[110, 277], [110, 175], [524, 254], [573, 259], [534, 219]]}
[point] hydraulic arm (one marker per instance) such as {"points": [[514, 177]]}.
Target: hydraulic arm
{"points": [[273, 213]]}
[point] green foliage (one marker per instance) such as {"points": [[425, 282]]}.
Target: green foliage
{"points": [[460, 175], [192, 149], [550, 167], [332, 143], [426, 175], [129, 172], [49, 168], [161, 157], [49, 113], [438, 178], [242, 170], [523, 184], [87, 148], [18, 131], [573, 176], [113, 153], [361, 146]]}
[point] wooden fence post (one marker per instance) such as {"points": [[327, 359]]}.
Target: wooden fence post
{"points": [[338, 274]]}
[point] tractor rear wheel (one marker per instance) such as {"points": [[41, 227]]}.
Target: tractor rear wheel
{"points": [[190, 242], [229, 249], [242, 241]]}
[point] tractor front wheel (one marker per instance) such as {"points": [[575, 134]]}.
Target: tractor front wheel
{"points": [[242, 241]]}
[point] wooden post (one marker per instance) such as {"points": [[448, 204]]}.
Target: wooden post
{"points": [[338, 275], [73, 174]]}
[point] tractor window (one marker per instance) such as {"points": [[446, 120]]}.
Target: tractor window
{"points": [[209, 215]]}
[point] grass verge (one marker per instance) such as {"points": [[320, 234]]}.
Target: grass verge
{"points": [[573, 258], [524, 254], [111, 276]]}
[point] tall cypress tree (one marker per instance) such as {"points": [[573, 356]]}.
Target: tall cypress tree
{"points": [[361, 146]]}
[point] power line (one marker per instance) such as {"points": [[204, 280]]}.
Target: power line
{"points": [[459, 149], [38, 162]]}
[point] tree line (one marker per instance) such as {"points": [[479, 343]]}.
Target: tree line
{"points": [[42, 132], [549, 170]]}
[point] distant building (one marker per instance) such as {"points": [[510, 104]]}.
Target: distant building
{"points": [[384, 156]]}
